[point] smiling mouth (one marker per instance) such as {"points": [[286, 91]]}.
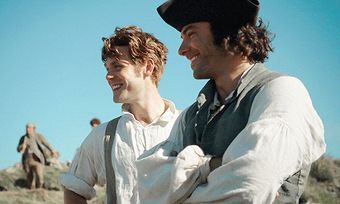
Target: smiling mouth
{"points": [[193, 58], [116, 87]]}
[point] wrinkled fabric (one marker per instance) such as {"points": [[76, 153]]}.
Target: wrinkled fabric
{"points": [[158, 185], [131, 140], [35, 144], [284, 134]]}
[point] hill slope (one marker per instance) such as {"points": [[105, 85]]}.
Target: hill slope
{"points": [[323, 185], [13, 187]]}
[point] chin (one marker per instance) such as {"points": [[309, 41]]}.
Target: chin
{"points": [[117, 100], [199, 76]]}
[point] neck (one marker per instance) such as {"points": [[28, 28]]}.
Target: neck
{"points": [[30, 134], [227, 82], [150, 107]]}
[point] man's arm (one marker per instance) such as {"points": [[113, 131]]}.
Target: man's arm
{"points": [[214, 163], [22, 145], [283, 134], [86, 168], [71, 197], [43, 141]]}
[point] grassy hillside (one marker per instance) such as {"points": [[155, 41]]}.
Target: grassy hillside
{"points": [[13, 188], [323, 185]]}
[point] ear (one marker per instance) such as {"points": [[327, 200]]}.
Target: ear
{"points": [[150, 66], [225, 46], [225, 43]]}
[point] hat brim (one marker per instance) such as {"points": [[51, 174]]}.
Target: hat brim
{"points": [[179, 13]]}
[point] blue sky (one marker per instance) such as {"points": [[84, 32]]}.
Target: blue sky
{"points": [[52, 74]]}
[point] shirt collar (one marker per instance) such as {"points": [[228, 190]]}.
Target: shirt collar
{"points": [[166, 117], [169, 112], [217, 103]]}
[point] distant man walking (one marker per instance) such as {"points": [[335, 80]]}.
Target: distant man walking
{"points": [[32, 145]]}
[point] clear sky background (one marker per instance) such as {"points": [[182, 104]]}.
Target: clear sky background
{"points": [[51, 72]]}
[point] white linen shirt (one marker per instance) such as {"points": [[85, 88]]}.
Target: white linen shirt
{"points": [[131, 140], [284, 134]]}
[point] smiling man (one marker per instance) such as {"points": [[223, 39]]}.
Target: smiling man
{"points": [[134, 61], [258, 127]]}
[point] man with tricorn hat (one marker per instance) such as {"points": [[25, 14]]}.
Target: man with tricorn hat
{"points": [[258, 127]]}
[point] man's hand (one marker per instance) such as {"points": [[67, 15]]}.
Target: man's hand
{"points": [[173, 153], [23, 147], [55, 154], [71, 197], [214, 163]]}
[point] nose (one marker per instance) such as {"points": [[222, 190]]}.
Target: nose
{"points": [[109, 76], [183, 48]]}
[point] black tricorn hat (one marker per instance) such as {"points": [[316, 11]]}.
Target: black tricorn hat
{"points": [[230, 13]]}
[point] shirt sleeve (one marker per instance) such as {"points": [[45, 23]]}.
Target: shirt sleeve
{"points": [[21, 143], [177, 131], [45, 143], [164, 176], [87, 168], [284, 134]]}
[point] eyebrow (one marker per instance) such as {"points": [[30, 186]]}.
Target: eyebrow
{"points": [[116, 62]]}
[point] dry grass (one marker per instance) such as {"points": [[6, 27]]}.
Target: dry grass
{"points": [[13, 188], [323, 186]]}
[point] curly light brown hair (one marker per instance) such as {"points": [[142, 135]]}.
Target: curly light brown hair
{"points": [[142, 46], [251, 41]]}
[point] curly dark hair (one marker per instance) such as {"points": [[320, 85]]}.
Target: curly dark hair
{"points": [[142, 46], [251, 41], [94, 121]]}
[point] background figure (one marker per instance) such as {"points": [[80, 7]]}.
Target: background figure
{"points": [[94, 122], [34, 148]]}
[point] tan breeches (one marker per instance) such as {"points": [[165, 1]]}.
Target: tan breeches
{"points": [[35, 174]]}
